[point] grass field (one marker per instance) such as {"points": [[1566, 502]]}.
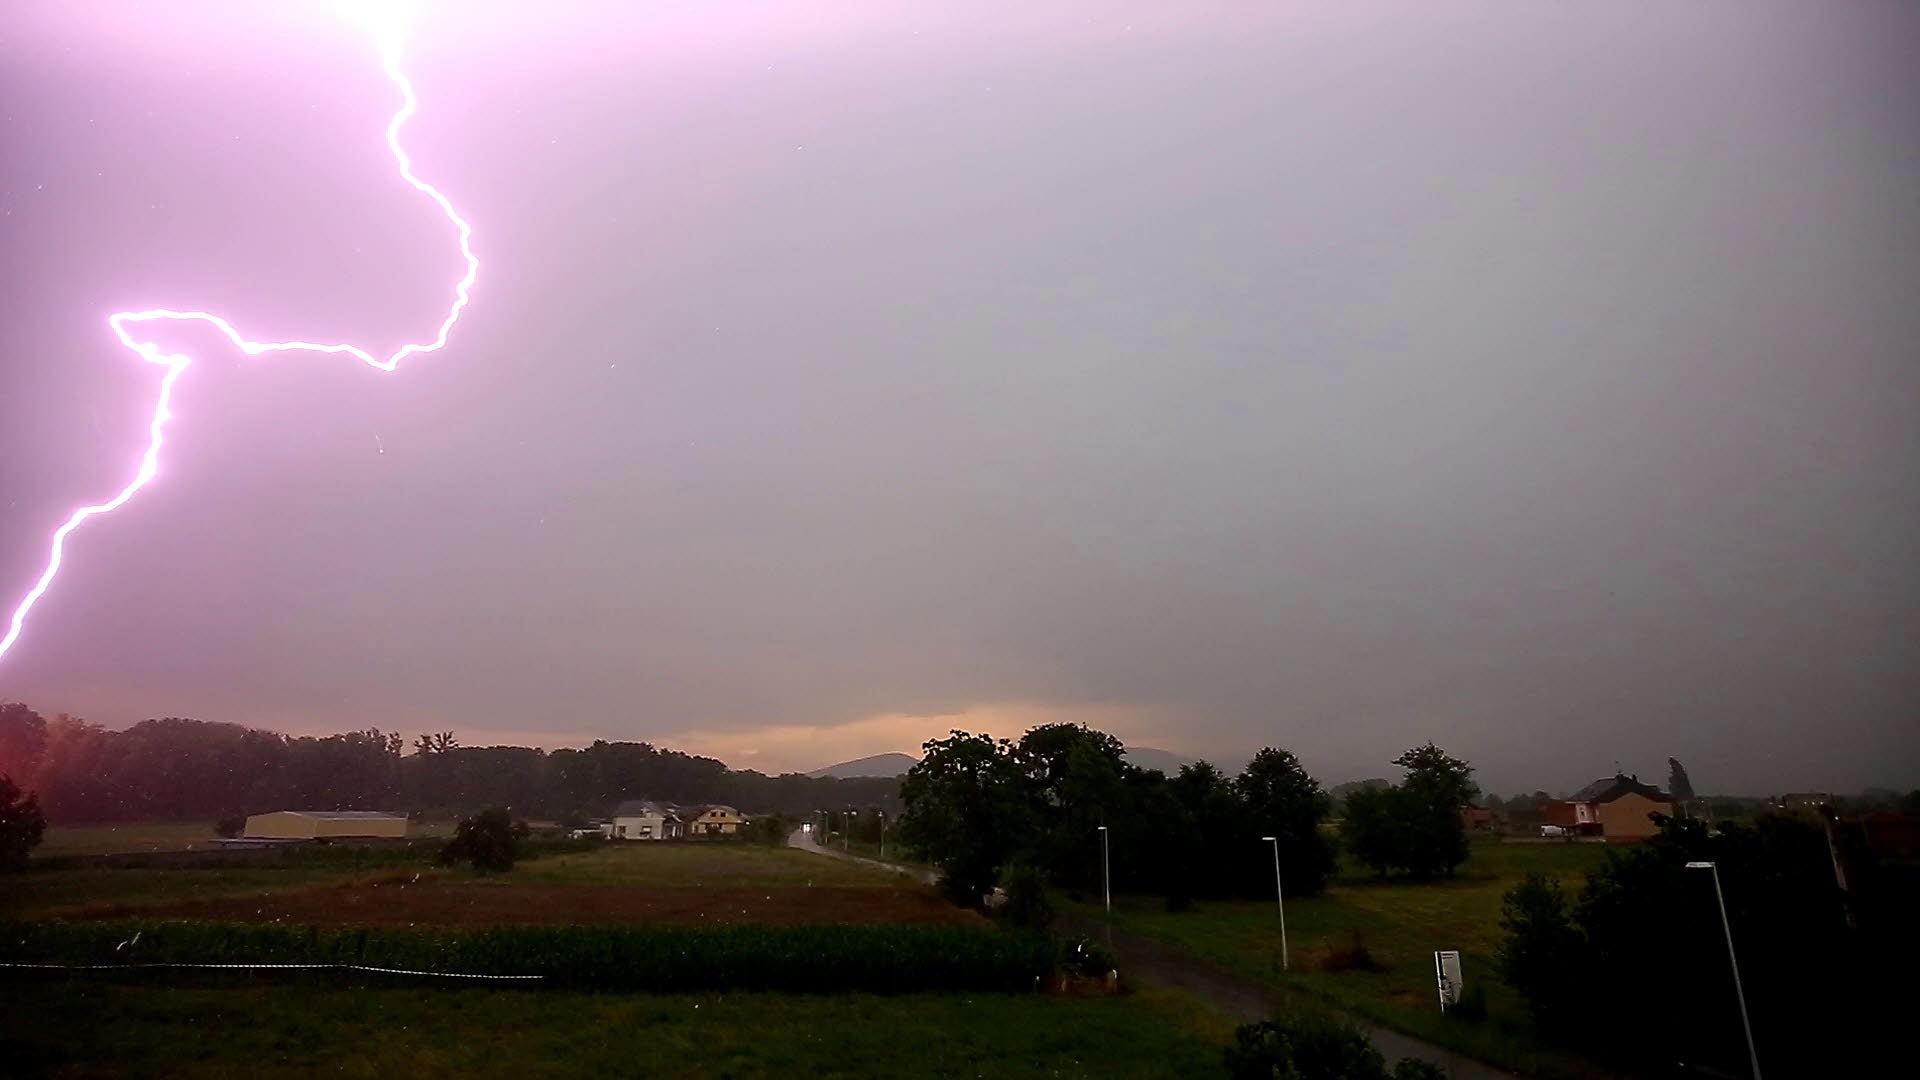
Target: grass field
{"points": [[118, 839], [44, 893], [1401, 924], [79, 1029], [194, 1024], [719, 870], [702, 865]]}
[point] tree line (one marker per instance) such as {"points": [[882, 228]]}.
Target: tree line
{"points": [[175, 769], [1063, 803]]}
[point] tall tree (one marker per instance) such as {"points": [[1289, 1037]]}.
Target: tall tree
{"points": [[1678, 785], [1414, 827], [1076, 780], [22, 825], [23, 738], [1212, 856], [1283, 801], [967, 809], [1544, 955]]}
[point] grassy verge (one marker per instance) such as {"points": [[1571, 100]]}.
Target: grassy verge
{"points": [[116, 839], [78, 1028], [50, 887], [39, 893], [895, 855], [877, 958], [703, 864], [1400, 925]]}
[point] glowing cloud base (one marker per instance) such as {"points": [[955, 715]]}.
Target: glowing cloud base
{"points": [[127, 325]]}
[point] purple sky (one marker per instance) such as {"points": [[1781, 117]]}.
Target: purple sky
{"points": [[1540, 379]]}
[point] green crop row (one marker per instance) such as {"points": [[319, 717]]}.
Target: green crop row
{"points": [[830, 959]]}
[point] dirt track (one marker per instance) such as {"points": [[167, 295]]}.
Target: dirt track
{"points": [[483, 904]]}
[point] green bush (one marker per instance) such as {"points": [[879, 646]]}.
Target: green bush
{"points": [[490, 840], [1314, 1046], [1544, 955], [1027, 904], [1084, 956], [827, 959]]}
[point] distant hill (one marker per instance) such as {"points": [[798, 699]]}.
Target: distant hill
{"points": [[876, 765], [1147, 757]]}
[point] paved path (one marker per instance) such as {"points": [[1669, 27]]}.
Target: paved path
{"points": [[1246, 999], [804, 840]]}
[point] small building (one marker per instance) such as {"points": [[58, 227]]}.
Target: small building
{"points": [[712, 820], [644, 819], [1891, 834], [325, 825], [1477, 818], [1806, 800], [1619, 807]]}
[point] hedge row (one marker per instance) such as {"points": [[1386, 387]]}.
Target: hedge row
{"points": [[880, 959]]}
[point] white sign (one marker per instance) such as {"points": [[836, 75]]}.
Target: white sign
{"points": [[1446, 970]]}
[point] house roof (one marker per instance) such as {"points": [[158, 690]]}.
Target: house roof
{"points": [[1612, 787], [345, 815], [643, 808]]}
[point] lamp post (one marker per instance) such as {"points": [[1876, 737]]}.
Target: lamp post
{"points": [[846, 834], [1753, 1055], [1106, 877], [1279, 898], [883, 834]]}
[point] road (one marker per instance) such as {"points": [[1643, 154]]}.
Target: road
{"points": [[1246, 999], [802, 839]]}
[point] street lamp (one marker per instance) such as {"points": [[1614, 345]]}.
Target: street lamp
{"points": [[1280, 898], [883, 834], [1106, 877], [846, 835], [1753, 1055]]}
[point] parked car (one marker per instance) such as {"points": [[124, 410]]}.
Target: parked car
{"points": [[1553, 830]]}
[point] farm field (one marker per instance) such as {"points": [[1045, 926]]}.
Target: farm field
{"points": [[76, 1028], [119, 839], [469, 903], [1401, 925], [344, 1024], [701, 865], [82, 891], [672, 883]]}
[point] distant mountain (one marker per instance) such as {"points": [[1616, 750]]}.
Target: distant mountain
{"points": [[877, 765], [1147, 757]]}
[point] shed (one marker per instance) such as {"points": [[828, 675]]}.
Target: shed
{"points": [[326, 825]]}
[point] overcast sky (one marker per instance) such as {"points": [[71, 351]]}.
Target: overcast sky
{"points": [[1543, 380]]}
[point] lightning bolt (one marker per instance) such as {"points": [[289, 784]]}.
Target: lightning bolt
{"points": [[386, 25]]}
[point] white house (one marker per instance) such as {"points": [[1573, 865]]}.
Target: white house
{"points": [[644, 819]]}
